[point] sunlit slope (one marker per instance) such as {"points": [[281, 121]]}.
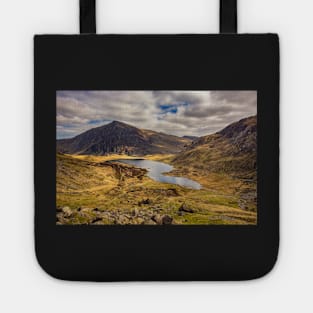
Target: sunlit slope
{"points": [[231, 151], [100, 190]]}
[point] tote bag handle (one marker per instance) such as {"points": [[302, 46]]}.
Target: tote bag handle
{"points": [[228, 16]]}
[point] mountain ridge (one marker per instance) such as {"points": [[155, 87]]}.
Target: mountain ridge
{"points": [[230, 150], [119, 137]]}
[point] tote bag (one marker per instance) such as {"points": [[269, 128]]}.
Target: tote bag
{"points": [[156, 156]]}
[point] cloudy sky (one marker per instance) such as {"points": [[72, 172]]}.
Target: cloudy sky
{"points": [[179, 113]]}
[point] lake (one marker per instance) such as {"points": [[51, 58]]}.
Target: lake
{"points": [[157, 169]]}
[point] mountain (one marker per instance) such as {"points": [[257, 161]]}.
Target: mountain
{"points": [[118, 137], [191, 137], [231, 150]]}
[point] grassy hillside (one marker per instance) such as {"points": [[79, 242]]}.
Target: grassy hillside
{"points": [[96, 189], [99, 190], [231, 153]]}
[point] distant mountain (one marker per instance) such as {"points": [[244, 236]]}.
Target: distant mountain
{"points": [[191, 137], [231, 150], [118, 137]]}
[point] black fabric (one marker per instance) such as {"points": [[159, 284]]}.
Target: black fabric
{"points": [[140, 62], [228, 16], [87, 16]]}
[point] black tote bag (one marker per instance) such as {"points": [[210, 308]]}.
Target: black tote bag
{"points": [[157, 156]]}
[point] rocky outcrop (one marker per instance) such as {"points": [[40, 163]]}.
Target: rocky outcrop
{"points": [[185, 208], [95, 216], [162, 219], [242, 135], [123, 170]]}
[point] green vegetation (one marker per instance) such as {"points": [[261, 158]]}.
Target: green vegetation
{"points": [[100, 192], [97, 189]]}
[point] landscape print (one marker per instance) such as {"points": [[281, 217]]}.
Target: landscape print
{"points": [[156, 158]]}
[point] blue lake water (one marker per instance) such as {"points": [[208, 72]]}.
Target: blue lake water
{"points": [[157, 169]]}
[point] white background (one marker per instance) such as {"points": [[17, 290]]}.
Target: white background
{"points": [[24, 286]]}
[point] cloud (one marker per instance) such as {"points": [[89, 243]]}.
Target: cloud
{"points": [[180, 113]]}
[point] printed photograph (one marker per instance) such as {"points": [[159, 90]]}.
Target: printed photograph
{"points": [[156, 157]]}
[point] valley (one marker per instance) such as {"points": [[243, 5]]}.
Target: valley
{"points": [[100, 189], [106, 192]]}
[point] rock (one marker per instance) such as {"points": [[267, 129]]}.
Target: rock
{"points": [[140, 221], [84, 210], [167, 220], [157, 218], [85, 215], [61, 220], [67, 211], [98, 223], [145, 201], [162, 219], [149, 222], [135, 212], [122, 220], [98, 219], [172, 192], [185, 208]]}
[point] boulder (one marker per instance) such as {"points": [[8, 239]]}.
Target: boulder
{"points": [[167, 220], [185, 208], [96, 220], [172, 192], [162, 219], [157, 218], [149, 222], [67, 211]]}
